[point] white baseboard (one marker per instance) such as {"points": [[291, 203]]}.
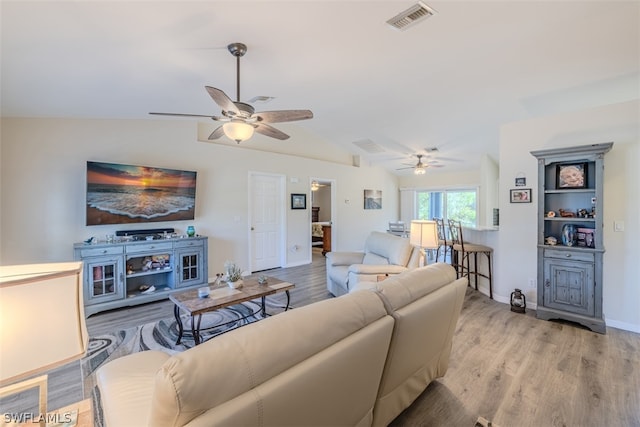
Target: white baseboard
{"points": [[296, 264], [623, 325]]}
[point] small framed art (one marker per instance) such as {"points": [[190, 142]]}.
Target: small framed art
{"points": [[372, 199], [572, 175], [520, 195], [298, 201]]}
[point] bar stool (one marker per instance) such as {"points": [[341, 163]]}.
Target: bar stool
{"points": [[462, 253], [443, 241]]}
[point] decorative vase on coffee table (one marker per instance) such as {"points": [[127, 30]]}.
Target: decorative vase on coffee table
{"points": [[237, 284]]}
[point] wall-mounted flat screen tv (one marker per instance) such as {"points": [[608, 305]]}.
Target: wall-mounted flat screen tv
{"points": [[122, 194]]}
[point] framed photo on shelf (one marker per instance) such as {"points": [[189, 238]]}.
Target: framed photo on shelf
{"points": [[520, 195], [298, 201], [571, 175]]}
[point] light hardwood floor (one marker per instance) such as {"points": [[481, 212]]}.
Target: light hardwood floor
{"points": [[512, 369]]}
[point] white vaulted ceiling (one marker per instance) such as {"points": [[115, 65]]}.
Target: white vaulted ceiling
{"points": [[447, 82]]}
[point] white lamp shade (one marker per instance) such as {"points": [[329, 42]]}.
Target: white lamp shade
{"points": [[42, 322], [424, 234], [238, 130]]}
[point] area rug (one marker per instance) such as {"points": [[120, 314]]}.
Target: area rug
{"points": [[162, 336]]}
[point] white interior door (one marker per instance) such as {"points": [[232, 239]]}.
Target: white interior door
{"points": [[266, 209]]}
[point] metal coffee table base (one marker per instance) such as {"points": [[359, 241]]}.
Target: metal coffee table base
{"points": [[196, 319]]}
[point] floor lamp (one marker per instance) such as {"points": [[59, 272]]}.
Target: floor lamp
{"points": [[42, 325], [423, 234]]}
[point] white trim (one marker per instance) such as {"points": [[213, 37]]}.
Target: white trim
{"points": [[623, 325]]}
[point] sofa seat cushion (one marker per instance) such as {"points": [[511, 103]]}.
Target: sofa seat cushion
{"points": [[125, 386]]}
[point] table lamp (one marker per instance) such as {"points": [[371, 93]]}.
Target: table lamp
{"points": [[42, 324], [424, 234]]}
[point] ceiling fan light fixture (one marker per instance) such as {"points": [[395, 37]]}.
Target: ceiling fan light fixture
{"points": [[420, 170], [237, 130], [314, 186]]}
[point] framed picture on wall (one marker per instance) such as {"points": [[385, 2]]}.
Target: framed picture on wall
{"points": [[298, 201], [372, 199], [520, 195]]}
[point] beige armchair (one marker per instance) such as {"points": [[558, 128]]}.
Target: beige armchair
{"points": [[384, 255]]}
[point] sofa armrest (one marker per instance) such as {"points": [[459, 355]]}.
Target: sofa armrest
{"points": [[344, 258], [376, 269], [126, 386]]}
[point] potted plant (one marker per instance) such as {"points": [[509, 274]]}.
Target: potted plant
{"points": [[234, 274]]}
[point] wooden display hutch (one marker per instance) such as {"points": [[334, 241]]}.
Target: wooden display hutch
{"points": [[570, 236]]}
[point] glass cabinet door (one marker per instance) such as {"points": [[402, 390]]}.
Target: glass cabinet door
{"points": [[104, 277], [190, 269]]}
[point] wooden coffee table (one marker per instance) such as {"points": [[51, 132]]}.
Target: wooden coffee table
{"points": [[224, 297]]}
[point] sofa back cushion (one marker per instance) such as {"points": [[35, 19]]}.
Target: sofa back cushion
{"points": [[425, 304], [395, 250], [301, 366], [374, 259]]}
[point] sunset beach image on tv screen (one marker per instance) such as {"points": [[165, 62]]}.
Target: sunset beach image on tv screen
{"points": [[120, 194]]}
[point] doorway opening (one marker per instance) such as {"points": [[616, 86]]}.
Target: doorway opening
{"points": [[323, 214]]}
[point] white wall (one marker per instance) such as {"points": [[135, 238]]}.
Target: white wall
{"points": [[516, 252], [42, 183]]}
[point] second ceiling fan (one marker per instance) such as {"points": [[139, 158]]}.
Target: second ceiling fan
{"points": [[420, 168], [239, 118]]}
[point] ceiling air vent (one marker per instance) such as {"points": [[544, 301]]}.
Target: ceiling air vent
{"points": [[411, 16], [369, 146]]}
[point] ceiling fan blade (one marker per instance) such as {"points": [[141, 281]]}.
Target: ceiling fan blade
{"points": [[216, 134], [410, 167], [270, 131], [222, 100], [184, 115], [283, 116]]}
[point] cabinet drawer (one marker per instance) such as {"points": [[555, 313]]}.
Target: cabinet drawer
{"points": [[569, 255], [150, 247], [189, 243], [104, 250]]}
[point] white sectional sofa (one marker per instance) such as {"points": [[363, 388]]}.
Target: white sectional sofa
{"points": [[356, 360]]}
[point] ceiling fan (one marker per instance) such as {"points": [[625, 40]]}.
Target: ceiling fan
{"points": [[240, 119], [315, 185], [420, 168]]}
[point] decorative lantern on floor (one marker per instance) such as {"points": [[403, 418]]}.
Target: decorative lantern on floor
{"points": [[518, 301]]}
